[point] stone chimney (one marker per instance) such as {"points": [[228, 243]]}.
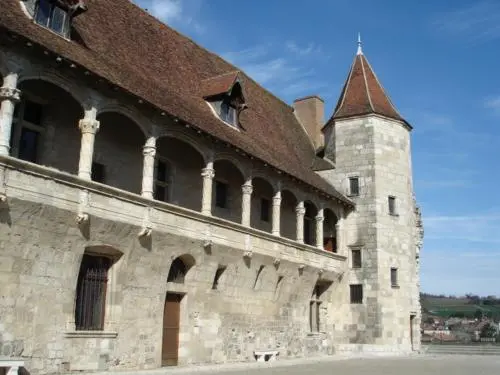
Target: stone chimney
{"points": [[311, 111]]}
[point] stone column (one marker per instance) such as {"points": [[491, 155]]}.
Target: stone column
{"points": [[208, 175], [89, 127], [301, 211], [276, 213], [9, 96], [246, 202], [148, 168], [319, 229]]}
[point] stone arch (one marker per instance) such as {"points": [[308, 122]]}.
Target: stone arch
{"points": [[186, 166], [78, 93], [118, 151], [179, 268], [288, 214], [330, 230], [48, 114], [262, 201], [311, 211], [115, 107], [227, 190], [219, 156], [181, 136]]}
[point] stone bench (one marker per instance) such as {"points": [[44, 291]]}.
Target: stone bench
{"points": [[11, 364], [266, 355]]}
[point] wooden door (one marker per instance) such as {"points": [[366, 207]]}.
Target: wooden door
{"points": [[171, 320], [412, 321]]}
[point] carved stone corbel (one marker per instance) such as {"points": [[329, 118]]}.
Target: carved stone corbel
{"points": [[276, 262], [146, 231], [248, 254], [82, 218]]}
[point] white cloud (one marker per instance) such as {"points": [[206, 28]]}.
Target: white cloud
{"points": [[309, 49], [477, 22], [493, 103], [176, 13]]}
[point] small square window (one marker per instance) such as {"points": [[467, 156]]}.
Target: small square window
{"points": [[221, 194], [51, 16], [354, 186], [392, 205], [264, 209], [356, 258], [394, 277], [228, 113], [356, 293], [98, 172]]}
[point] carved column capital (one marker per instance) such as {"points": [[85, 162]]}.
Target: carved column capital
{"points": [[277, 200], [9, 93], [208, 173], [149, 151], [88, 126], [247, 189], [300, 210]]}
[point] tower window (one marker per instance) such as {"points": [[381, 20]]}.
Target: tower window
{"points": [[354, 186], [356, 293], [264, 209], [51, 16], [356, 258], [392, 205], [394, 277]]}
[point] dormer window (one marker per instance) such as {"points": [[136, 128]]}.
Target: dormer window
{"points": [[227, 113], [49, 15], [224, 94]]}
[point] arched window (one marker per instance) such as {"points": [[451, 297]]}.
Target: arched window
{"points": [[178, 270]]}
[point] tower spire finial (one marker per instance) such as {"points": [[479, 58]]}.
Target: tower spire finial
{"points": [[360, 50]]}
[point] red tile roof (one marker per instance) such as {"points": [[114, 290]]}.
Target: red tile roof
{"points": [[220, 84], [363, 94], [133, 50]]}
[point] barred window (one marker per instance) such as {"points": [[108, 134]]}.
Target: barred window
{"points": [[356, 258], [91, 293], [356, 293], [354, 186]]}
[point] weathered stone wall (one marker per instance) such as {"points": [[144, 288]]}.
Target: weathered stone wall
{"points": [[377, 151], [41, 251]]}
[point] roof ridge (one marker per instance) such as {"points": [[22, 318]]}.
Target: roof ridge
{"points": [[222, 75], [366, 82], [343, 94], [383, 89]]}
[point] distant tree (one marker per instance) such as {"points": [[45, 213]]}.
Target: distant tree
{"points": [[488, 331], [478, 314]]}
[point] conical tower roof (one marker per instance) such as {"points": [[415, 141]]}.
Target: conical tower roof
{"points": [[363, 93]]}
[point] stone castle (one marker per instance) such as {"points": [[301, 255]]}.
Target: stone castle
{"points": [[158, 207]]}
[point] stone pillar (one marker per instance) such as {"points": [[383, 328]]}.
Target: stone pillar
{"points": [[89, 127], [208, 175], [319, 229], [9, 96], [276, 213], [301, 211], [148, 168], [246, 202]]}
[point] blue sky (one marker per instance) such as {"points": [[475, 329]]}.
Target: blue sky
{"points": [[439, 62]]}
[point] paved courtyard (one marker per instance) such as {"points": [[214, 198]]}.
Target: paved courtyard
{"points": [[416, 365]]}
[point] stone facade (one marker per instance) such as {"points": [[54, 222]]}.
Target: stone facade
{"points": [[274, 292]]}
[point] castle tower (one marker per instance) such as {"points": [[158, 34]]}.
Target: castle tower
{"points": [[369, 142]]}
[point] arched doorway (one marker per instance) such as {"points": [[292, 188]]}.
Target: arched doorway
{"points": [[262, 198], [226, 191], [330, 231], [178, 165], [288, 219], [310, 223], [45, 126], [172, 310], [118, 152]]}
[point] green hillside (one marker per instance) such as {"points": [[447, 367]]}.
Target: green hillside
{"points": [[462, 307]]}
